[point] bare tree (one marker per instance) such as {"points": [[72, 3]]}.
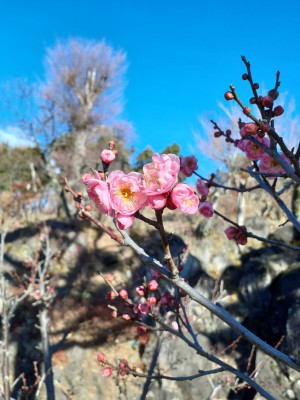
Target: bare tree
{"points": [[83, 89]]}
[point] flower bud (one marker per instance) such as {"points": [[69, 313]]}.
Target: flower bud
{"points": [[88, 207], [255, 86], [252, 100], [217, 134], [274, 94], [110, 296], [126, 317], [245, 77], [247, 110], [264, 127], [267, 101], [106, 372], [140, 290], [229, 96], [250, 129], [152, 285], [101, 357], [111, 144], [152, 301], [107, 156], [278, 111], [123, 294]]}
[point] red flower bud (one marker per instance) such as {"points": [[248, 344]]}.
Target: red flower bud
{"points": [[245, 77], [255, 86], [252, 100], [250, 129], [274, 94], [264, 127], [217, 134], [247, 110], [228, 132], [278, 111], [267, 101], [110, 296]]}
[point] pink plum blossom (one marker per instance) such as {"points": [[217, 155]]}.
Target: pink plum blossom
{"points": [[158, 201], [161, 175], [184, 198], [253, 151], [241, 144], [269, 165], [107, 156], [124, 221], [206, 209], [202, 188], [98, 191], [188, 165], [126, 192]]}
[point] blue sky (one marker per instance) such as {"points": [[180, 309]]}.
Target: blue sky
{"points": [[182, 54]]}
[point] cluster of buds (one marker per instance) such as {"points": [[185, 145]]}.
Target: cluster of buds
{"points": [[239, 234], [263, 102], [150, 300], [121, 369]]}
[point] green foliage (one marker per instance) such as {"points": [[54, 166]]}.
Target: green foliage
{"points": [[173, 148]]}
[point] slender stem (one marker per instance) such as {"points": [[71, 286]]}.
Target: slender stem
{"points": [[5, 323], [165, 243]]}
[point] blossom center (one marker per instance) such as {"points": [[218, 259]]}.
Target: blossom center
{"points": [[126, 193]]}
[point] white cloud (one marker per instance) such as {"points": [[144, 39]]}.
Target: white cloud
{"points": [[14, 137]]}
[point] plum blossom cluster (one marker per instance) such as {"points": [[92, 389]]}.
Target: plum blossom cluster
{"points": [[122, 195]]}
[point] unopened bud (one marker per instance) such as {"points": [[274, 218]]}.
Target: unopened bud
{"points": [[267, 101], [112, 144], [88, 207], [278, 111], [245, 77], [217, 134], [255, 86], [273, 93], [81, 215], [264, 127], [229, 96], [252, 100], [247, 110]]}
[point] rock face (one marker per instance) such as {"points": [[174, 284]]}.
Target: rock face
{"points": [[263, 293]]}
